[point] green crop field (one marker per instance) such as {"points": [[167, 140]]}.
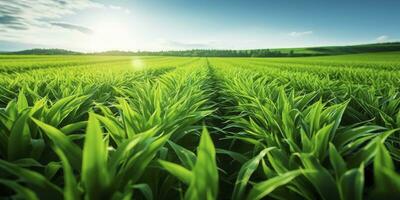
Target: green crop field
{"points": [[153, 127]]}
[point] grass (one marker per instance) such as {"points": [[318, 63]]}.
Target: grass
{"points": [[119, 127]]}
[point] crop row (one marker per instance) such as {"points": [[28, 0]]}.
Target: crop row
{"points": [[77, 147], [302, 147], [197, 128]]}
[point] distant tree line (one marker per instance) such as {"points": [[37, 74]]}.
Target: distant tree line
{"points": [[44, 52], [220, 53], [211, 53], [296, 52]]}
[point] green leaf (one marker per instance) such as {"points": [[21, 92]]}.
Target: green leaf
{"points": [[367, 153], [320, 177], [262, 189], [38, 146], [22, 103], [127, 147], [95, 176], [382, 162], [55, 109], [20, 190], [70, 184], [19, 141], [337, 162], [71, 150], [204, 184], [43, 187], [392, 183], [51, 169], [116, 131], [187, 157], [178, 171], [71, 128], [245, 173], [352, 184], [321, 141], [137, 164], [145, 189], [236, 156], [27, 162]]}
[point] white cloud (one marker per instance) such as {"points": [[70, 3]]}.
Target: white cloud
{"points": [[73, 27], [119, 8], [20, 15], [115, 7], [42, 21], [299, 34], [184, 45], [382, 38]]}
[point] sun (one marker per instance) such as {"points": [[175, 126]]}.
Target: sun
{"points": [[110, 35]]}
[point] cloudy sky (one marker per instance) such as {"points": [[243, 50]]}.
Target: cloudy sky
{"points": [[98, 25]]}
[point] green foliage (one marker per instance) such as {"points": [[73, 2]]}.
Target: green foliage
{"points": [[115, 127]]}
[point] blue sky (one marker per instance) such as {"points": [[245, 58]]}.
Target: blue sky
{"points": [[98, 25]]}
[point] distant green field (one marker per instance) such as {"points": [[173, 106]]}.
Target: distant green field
{"points": [[143, 127], [338, 50], [280, 52]]}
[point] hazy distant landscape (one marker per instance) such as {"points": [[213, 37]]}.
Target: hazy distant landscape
{"points": [[283, 52], [199, 100]]}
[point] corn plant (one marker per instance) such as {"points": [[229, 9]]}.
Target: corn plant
{"points": [[119, 127]]}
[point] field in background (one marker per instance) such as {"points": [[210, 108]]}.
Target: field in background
{"points": [[339, 50], [282, 52], [95, 127]]}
